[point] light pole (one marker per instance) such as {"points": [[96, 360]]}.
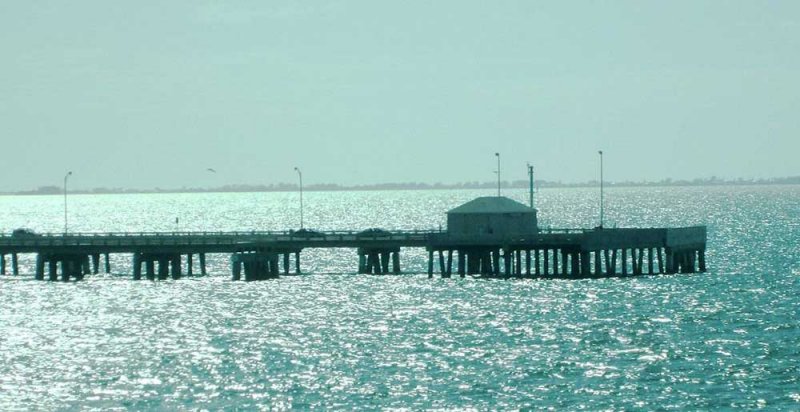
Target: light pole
{"points": [[600, 152], [497, 155], [300, 175], [65, 200]]}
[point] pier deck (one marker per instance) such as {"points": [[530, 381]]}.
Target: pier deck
{"points": [[575, 253]]}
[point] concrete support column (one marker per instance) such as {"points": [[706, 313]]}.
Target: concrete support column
{"points": [[701, 260], [598, 263], [508, 257], [297, 263], [2, 264], [53, 269], [565, 260], [650, 261], [95, 263], [449, 263], [40, 260], [670, 261], [362, 263], [14, 264], [624, 262], [236, 268], [430, 264], [385, 262], [546, 262], [527, 263], [190, 264], [68, 268], [396, 262], [461, 263], [202, 264], [108, 263], [576, 265], [536, 263], [442, 270], [163, 268], [150, 267], [176, 266], [613, 270], [640, 261], [585, 264], [137, 266]]}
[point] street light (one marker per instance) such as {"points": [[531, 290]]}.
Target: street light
{"points": [[498, 173], [300, 175], [600, 152], [65, 200]]}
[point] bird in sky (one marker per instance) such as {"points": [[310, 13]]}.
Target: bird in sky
{"points": [[211, 170]]}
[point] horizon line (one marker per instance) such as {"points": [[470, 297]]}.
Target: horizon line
{"points": [[334, 187]]}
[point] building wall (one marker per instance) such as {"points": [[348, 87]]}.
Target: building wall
{"points": [[490, 225]]}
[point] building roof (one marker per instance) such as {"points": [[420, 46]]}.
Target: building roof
{"points": [[491, 204]]}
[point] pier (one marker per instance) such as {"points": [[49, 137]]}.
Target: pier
{"points": [[569, 254], [488, 236]]}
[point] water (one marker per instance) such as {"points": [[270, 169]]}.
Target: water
{"points": [[729, 338]]}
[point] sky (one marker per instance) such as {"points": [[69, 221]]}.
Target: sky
{"points": [[144, 94]]}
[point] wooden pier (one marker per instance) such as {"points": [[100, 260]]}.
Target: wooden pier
{"points": [[254, 255]]}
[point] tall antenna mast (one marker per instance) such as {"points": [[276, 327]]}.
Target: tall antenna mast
{"points": [[530, 177]]}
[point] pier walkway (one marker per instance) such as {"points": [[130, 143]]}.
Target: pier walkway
{"points": [[255, 255]]}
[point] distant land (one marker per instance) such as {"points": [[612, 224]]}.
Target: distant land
{"points": [[540, 184]]}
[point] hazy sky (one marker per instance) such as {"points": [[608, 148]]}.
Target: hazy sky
{"points": [[146, 94]]}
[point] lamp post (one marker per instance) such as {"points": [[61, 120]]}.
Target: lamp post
{"points": [[600, 152], [497, 155], [65, 200], [300, 175]]}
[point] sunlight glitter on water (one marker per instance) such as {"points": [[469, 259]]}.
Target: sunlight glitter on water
{"points": [[333, 339]]}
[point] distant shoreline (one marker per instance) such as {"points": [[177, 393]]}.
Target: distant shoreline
{"points": [[518, 184]]}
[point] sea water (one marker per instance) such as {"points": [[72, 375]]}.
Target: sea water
{"points": [[333, 339]]}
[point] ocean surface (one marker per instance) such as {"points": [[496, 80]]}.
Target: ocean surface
{"points": [[332, 339]]}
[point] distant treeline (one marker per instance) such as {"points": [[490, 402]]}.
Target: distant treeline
{"points": [[286, 187]]}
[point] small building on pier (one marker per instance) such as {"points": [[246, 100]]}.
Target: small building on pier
{"points": [[490, 219]]}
